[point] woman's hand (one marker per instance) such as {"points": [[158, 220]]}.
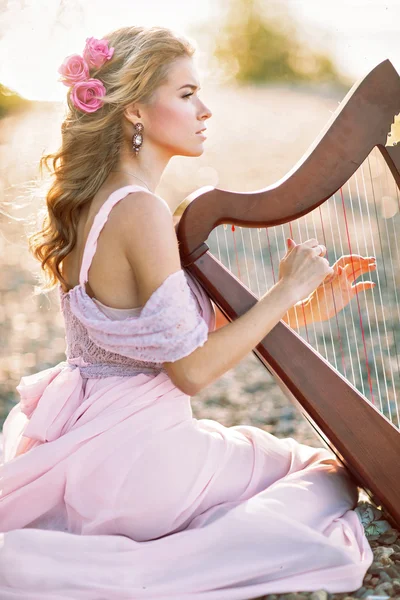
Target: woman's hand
{"points": [[336, 291], [304, 267]]}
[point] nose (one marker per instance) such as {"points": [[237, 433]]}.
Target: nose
{"points": [[206, 112]]}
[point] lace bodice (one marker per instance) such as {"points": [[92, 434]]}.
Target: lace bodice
{"points": [[174, 321]]}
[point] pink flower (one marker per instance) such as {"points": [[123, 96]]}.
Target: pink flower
{"points": [[83, 95], [96, 52], [73, 69]]}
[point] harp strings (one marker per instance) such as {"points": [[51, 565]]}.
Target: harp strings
{"points": [[362, 340], [387, 263]]}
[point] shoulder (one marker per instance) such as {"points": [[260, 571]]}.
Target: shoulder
{"points": [[143, 217], [147, 234], [139, 205]]}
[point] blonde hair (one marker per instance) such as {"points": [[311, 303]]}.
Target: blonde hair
{"points": [[91, 142]]}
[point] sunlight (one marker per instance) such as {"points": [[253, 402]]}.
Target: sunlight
{"points": [[37, 35]]}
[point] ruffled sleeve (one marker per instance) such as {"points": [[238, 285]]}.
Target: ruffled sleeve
{"points": [[174, 322]]}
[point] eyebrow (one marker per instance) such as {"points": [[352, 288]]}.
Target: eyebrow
{"points": [[193, 87]]}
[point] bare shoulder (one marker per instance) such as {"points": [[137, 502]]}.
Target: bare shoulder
{"points": [[139, 203], [148, 238], [142, 213]]}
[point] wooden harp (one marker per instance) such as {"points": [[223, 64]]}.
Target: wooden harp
{"points": [[344, 373]]}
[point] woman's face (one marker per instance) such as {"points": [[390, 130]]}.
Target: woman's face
{"points": [[176, 113]]}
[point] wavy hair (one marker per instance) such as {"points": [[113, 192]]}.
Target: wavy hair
{"points": [[91, 142]]}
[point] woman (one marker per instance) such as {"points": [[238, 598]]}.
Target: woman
{"points": [[110, 488]]}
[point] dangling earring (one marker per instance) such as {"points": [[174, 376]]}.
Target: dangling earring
{"points": [[137, 138]]}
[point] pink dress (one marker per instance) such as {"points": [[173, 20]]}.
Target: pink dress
{"points": [[112, 490]]}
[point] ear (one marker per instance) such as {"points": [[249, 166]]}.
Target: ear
{"points": [[132, 112]]}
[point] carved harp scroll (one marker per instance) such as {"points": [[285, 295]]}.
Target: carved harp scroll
{"points": [[351, 423]]}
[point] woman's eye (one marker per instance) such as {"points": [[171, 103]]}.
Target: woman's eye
{"points": [[187, 95]]}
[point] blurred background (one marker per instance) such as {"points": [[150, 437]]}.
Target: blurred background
{"points": [[272, 72]]}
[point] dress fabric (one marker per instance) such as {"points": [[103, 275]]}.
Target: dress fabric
{"points": [[112, 490]]}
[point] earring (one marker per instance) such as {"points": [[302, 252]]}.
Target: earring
{"points": [[137, 138]]}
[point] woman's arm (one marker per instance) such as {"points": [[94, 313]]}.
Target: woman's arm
{"points": [[299, 315]]}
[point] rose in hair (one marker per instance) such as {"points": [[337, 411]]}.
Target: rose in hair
{"points": [[73, 70], [85, 95], [96, 52]]}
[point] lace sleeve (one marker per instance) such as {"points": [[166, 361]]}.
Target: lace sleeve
{"points": [[204, 303], [173, 323]]}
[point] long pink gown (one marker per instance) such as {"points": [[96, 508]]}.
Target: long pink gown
{"points": [[112, 490]]}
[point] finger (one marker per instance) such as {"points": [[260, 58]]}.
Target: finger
{"points": [[336, 271], [290, 243], [341, 273], [368, 267], [311, 243], [371, 265], [319, 250], [354, 259], [343, 260], [364, 262], [352, 264], [362, 286], [354, 273], [351, 272]]}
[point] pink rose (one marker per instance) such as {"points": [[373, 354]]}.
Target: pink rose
{"points": [[96, 52], [83, 95], [73, 69]]}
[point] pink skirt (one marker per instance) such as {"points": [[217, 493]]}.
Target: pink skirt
{"points": [[112, 490]]}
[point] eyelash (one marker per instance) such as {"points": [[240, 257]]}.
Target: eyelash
{"points": [[187, 95]]}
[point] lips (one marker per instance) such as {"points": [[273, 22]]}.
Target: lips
{"points": [[201, 130]]}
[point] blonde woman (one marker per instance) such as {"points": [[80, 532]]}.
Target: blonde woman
{"points": [[110, 489]]}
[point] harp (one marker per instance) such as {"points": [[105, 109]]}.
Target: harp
{"points": [[343, 374]]}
